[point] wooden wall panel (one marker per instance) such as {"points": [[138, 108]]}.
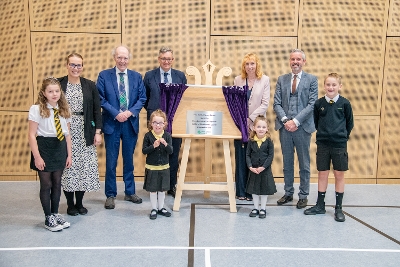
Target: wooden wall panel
{"points": [[14, 147], [389, 145], [347, 37], [15, 90], [75, 16], [259, 18], [182, 26], [394, 18]]}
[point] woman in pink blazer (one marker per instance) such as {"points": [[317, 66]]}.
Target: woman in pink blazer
{"points": [[258, 97]]}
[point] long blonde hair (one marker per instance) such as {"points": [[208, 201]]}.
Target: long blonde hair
{"points": [[253, 132], [63, 107]]}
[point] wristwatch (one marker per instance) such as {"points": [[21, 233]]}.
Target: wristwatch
{"points": [[285, 121]]}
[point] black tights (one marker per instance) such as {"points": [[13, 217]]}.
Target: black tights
{"points": [[50, 191], [70, 198]]}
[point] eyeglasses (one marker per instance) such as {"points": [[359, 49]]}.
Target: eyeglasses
{"points": [[158, 123], [164, 59], [78, 66]]}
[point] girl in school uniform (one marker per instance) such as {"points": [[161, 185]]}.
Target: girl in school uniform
{"points": [[259, 156], [50, 144], [157, 145]]}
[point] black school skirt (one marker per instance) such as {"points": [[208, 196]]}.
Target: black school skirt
{"points": [[53, 152]]}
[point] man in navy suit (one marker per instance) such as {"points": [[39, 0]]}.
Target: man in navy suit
{"points": [[122, 96], [164, 74], [294, 99]]}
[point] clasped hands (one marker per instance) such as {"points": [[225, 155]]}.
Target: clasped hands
{"points": [[257, 170], [160, 141], [290, 126], [123, 116]]}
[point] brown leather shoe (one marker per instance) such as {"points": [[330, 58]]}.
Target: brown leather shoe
{"points": [[110, 204], [302, 203], [134, 198], [285, 199]]}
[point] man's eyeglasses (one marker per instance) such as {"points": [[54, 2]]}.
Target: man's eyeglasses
{"points": [[158, 123], [78, 66], [122, 58], [164, 59]]}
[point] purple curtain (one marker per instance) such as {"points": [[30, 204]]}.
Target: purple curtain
{"points": [[171, 95], [236, 99]]}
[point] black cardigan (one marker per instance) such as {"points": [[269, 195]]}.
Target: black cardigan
{"points": [[91, 107]]}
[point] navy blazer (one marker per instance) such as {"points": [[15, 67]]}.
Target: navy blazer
{"points": [[307, 90], [109, 97], [91, 107], [152, 79]]}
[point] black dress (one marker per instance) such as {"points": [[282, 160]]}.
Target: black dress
{"points": [[262, 183]]}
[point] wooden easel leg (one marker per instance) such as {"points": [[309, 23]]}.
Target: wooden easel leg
{"points": [[182, 174], [229, 176], [207, 165]]}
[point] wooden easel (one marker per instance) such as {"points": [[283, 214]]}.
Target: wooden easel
{"points": [[205, 98]]}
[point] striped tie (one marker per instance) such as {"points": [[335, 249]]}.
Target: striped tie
{"points": [[165, 77], [122, 93], [60, 134]]}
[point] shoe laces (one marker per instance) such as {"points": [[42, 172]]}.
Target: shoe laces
{"points": [[51, 221], [60, 219]]}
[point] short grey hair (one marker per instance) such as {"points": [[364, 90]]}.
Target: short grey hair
{"points": [[165, 49], [115, 49], [296, 50]]}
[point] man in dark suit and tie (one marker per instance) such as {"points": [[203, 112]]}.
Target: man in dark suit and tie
{"points": [[164, 74], [294, 99], [122, 96]]}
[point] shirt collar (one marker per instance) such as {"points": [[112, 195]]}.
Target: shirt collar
{"points": [[118, 71], [298, 75], [334, 99], [162, 71], [51, 107]]}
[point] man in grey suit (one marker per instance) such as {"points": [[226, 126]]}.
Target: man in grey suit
{"points": [[152, 79], [294, 99]]}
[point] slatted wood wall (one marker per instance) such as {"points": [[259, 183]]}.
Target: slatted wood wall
{"points": [[358, 39]]}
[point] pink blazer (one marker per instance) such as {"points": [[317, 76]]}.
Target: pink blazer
{"points": [[259, 98]]}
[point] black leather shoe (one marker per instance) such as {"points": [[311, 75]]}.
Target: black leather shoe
{"points": [[254, 213], [82, 210], [317, 209], [263, 214], [285, 199], [172, 192], [302, 203], [164, 212], [72, 211], [339, 216], [153, 214]]}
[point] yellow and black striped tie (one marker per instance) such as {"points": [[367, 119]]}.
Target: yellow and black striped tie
{"points": [[60, 134]]}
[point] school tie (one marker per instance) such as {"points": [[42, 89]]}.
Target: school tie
{"points": [[122, 93], [60, 134], [165, 77], [294, 84], [331, 101]]}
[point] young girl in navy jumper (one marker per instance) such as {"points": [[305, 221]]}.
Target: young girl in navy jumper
{"points": [[157, 145], [50, 144], [259, 156]]}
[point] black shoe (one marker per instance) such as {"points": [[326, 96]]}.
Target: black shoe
{"points": [[134, 198], [285, 199], [72, 211], [153, 214], [254, 213], [164, 212], [172, 192], [263, 214], [302, 203], [339, 216], [317, 209], [82, 210]]}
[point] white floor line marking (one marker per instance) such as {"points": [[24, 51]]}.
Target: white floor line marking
{"points": [[203, 248], [207, 257]]}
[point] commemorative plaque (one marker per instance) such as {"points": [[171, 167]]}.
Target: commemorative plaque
{"points": [[204, 122]]}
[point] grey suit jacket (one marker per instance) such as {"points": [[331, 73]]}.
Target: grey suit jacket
{"points": [[307, 95]]}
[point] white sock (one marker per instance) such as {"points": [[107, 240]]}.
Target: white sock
{"points": [[264, 199], [161, 198], [153, 200], [256, 201]]}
